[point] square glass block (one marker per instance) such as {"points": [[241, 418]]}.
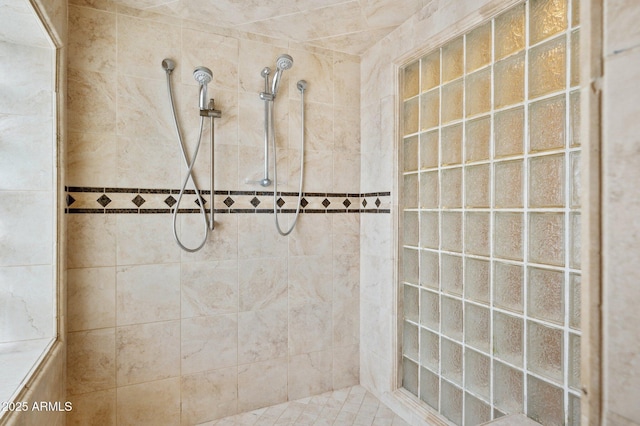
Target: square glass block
{"points": [[544, 351], [429, 349], [410, 375], [452, 101], [509, 81], [411, 302], [574, 118], [451, 145], [451, 181], [546, 238], [476, 411], [574, 300], [575, 13], [451, 402], [508, 132], [544, 402], [575, 58], [478, 139], [410, 191], [546, 18], [451, 361], [451, 231], [510, 32], [429, 192], [410, 116], [410, 154], [478, 92], [410, 227], [546, 181], [574, 361], [508, 332], [478, 47], [547, 65], [429, 387], [508, 388], [411, 80], [545, 299], [429, 269], [476, 279], [452, 60], [410, 341], [508, 184], [430, 70], [508, 286], [430, 309], [429, 229], [410, 265], [429, 109], [429, 150], [478, 186], [575, 241], [547, 124], [451, 274], [575, 180], [477, 327], [477, 232], [477, 369], [451, 314], [574, 410], [508, 235]]}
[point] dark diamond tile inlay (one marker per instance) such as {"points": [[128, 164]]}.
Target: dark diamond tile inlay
{"points": [[70, 200], [326, 203], [204, 202], [364, 203], [346, 203], [228, 201], [280, 202], [378, 202], [255, 201], [304, 203], [104, 200], [170, 201], [138, 201]]}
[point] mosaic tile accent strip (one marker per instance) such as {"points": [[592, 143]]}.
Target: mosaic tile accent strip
{"points": [[93, 200]]}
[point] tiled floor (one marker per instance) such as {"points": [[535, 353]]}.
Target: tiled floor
{"points": [[344, 407]]}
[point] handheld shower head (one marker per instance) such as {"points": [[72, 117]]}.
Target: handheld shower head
{"points": [[168, 65], [284, 62], [203, 75]]}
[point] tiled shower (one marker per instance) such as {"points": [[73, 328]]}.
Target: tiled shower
{"points": [[490, 232]]}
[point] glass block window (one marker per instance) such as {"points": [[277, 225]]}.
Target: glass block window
{"points": [[490, 228]]}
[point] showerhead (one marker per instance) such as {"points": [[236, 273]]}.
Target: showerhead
{"points": [[203, 75], [168, 65], [284, 62]]}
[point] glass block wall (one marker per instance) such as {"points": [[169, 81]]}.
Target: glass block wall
{"points": [[490, 229]]}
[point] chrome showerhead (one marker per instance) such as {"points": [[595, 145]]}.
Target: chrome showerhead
{"points": [[168, 65], [284, 62], [203, 75]]}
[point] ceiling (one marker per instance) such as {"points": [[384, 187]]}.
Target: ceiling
{"points": [[347, 26]]}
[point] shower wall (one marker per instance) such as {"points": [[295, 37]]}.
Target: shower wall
{"points": [[157, 335]]}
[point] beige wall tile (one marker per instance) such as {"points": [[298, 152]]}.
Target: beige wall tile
{"points": [[209, 288], [140, 243], [310, 374], [92, 39], [93, 408], [91, 298], [254, 379], [209, 396], [149, 403], [91, 240], [91, 361], [262, 335], [262, 284]]}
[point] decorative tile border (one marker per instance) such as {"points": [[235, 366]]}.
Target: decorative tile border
{"points": [[93, 200]]}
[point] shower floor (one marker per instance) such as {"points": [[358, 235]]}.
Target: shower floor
{"points": [[343, 407]]}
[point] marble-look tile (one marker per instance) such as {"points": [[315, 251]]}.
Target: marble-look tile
{"points": [[346, 80], [310, 327], [257, 237], [311, 236], [317, 70], [318, 125], [93, 409], [151, 403], [136, 343], [262, 284], [26, 302], [145, 162], [209, 288], [262, 335], [226, 162], [254, 378], [91, 361], [91, 298], [310, 279], [147, 293], [209, 343], [209, 396], [222, 243], [346, 366], [310, 374], [218, 53], [145, 239], [91, 240], [91, 101], [91, 159], [620, 17], [26, 137], [252, 57], [92, 40], [346, 131]]}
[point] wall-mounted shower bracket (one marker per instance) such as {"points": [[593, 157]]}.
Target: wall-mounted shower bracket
{"points": [[211, 111]]}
